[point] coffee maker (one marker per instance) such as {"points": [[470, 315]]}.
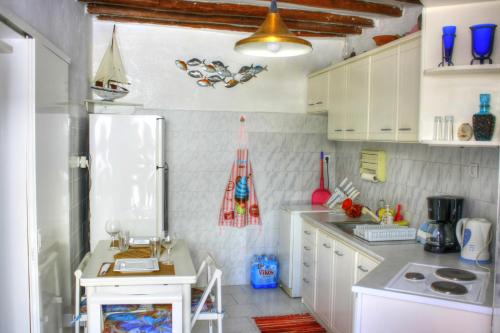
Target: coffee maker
{"points": [[444, 213]]}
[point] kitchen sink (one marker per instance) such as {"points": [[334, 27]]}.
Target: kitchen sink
{"points": [[349, 226]]}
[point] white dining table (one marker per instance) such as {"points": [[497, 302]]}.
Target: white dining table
{"points": [[184, 278]]}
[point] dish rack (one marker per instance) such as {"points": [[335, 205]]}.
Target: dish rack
{"points": [[378, 233]]}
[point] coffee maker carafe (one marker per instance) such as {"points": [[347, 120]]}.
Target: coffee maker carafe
{"points": [[444, 213]]}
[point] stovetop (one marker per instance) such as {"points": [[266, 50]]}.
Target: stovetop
{"points": [[441, 282]]}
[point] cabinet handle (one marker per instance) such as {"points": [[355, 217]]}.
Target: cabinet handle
{"points": [[340, 254], [405, 129], [305, 280], [319, 103], [338, 130], [326, 246], [310, 104], [307, 248], [386, 129], [306, 265], [350, 130], [307, 232], [361, 268]]}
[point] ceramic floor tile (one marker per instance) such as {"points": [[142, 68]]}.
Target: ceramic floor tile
{"points": [[242, 310]]}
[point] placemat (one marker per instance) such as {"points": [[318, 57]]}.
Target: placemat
{"points": [[164, 270], [136, 252]]}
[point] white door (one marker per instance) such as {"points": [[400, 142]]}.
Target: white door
{"points": [[123, 174], [324, 278], [358, 92], [383, 97], [343, 281], [409, 91], [337, 104]]}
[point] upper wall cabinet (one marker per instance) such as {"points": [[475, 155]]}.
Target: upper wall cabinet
{"points": [[318, 93], [375, 96]]}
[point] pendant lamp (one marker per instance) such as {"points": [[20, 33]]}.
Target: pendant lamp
{"points": [[273, 39]]}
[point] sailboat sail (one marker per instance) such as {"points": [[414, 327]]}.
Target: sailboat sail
{"points": [[111, 67]]}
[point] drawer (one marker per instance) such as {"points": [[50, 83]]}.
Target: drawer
{"points": [[308, 290], [364, 265], [308, 249], [308, 233], [307, 263]]}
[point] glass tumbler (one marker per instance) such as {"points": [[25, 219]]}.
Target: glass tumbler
{"points": [[155, 247], [438, 128], [123, 240], [448, 128]]}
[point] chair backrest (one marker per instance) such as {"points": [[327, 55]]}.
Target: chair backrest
{"points": [[78, 275], [214, 279]]}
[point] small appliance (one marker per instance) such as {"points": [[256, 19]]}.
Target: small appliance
{"points": [[474, 236], [444, 213]]}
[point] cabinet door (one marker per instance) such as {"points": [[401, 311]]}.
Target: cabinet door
{"points": [[344, 259], [356, 117], [317, 93], [364, 265], [383, 96], [409, 91], [337, 104], [324, 281], [285, 248]]}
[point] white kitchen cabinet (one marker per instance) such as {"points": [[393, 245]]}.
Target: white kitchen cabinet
{"points": [[383, 97], [343, 279], [308, 258], [338, 100], [356, 113], [364, 265], [318, 93], [324, 281]]}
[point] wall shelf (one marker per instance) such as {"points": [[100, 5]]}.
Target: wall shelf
{"points": [[471, 143], [464, 69], [111, 107]]}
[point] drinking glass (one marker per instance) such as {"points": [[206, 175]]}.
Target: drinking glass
{"points": [[123, 240], [448, 128], [113, 228], [169, 244], [155, 246]]}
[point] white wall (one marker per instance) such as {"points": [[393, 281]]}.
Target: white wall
{"points": [[149, 54]]}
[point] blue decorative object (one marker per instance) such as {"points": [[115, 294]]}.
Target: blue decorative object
{"points": [[483, 122], [449, 34], [483, 36]]}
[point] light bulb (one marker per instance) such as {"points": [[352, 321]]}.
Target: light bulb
{"points": [[273, 47]]}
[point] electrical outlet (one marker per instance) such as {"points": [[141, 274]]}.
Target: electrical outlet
{"points": [[474, 170], [326, 157]]}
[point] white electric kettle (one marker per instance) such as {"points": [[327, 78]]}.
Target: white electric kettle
{"points": [[474, 237]]}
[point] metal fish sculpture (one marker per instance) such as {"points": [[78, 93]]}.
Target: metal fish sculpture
{"points": [[181, 64], [194, 62], [218, 64], [247, 77], [257, 69], [196, 74], [224, 72], [245, 69], [215, 78], [231, 83], [205, 83], [209, 68]]}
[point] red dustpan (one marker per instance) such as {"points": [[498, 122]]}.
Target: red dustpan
{"points": [[320, 195]]}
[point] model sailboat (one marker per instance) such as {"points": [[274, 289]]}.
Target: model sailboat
{"points": [[111, 74]]}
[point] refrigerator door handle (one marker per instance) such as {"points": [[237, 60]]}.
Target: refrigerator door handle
{"points": [[160, 142]]}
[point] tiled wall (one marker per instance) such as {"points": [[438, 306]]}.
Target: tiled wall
{"points": [[416, 171], [284, 150]]}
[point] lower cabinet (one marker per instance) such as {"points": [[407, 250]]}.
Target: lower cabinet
{"points": [[330, 267]]}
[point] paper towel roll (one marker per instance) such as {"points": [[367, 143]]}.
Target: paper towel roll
{"points": [[370, 177]]}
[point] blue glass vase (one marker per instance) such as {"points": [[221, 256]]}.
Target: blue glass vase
{"points": [[448, 41], [483, 122], [483, 36]]}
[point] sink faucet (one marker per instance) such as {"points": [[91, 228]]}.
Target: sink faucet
{"points": [[366, 211]]}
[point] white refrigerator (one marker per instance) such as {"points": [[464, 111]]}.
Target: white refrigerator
{"points": [[128, 174]]}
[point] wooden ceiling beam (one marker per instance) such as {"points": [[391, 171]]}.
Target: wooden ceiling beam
{"points": [[123, 11], [212, 26], [227, 9], [351, 5]]}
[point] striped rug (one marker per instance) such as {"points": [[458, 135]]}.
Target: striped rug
{"points": [[296, 323]]}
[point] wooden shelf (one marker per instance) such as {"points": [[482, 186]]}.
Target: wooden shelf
{"points": [[464, 69], [120, 106], [471, 143]]}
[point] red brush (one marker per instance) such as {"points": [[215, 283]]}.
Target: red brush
{"points": [[320, 195]]}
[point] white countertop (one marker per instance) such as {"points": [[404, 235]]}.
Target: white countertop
{"points": [[304, 208], [393, 258]]}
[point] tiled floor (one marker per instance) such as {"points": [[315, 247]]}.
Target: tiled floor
{"points": [[241, 303]]}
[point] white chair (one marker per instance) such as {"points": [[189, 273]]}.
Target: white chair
{"points": [[211, 310], [79, 317]]}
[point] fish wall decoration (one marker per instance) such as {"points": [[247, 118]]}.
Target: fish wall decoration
{"points": [[210, 74]]}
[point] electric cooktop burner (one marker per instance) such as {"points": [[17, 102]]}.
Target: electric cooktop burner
{"points": [[414, 276], [448, 288], [455, 274]]}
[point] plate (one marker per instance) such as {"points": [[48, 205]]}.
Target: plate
{"points": [[136, 265]]}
